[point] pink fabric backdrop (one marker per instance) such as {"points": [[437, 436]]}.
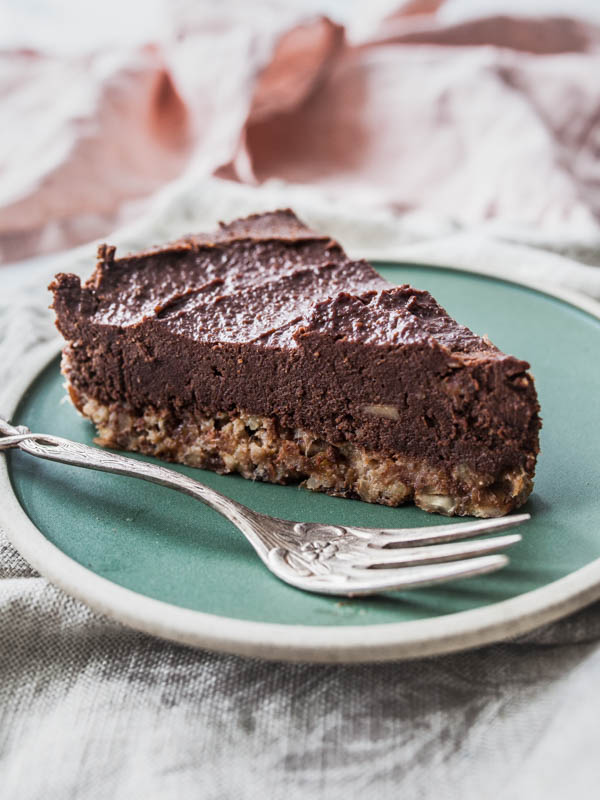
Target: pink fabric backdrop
{"points": [[490, 118]]}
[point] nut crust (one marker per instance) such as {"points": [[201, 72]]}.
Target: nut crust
{"points": [[258, 448]]}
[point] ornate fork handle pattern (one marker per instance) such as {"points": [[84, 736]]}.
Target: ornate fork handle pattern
{"points": [[331, 559]]}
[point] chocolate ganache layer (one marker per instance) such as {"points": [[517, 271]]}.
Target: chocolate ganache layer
{"points": [[263, 349]]}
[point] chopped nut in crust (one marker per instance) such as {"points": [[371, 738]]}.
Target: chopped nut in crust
{"points": [[387, 412], [258, 448]]}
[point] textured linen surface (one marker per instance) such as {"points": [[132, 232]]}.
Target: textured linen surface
{"points": [[488, 121], [89, 709]]}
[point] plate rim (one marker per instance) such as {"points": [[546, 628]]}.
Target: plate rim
{"points": [[296, 643]]}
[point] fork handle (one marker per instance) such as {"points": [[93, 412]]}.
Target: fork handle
{"points": [[65, 451]]}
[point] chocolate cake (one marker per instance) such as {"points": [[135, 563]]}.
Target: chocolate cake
{"points": [[263, 349]]}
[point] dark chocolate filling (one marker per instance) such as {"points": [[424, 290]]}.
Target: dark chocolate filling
{"points": [[269, 317]]}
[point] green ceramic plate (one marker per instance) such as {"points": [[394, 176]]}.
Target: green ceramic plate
{"points": [[164, 563]]}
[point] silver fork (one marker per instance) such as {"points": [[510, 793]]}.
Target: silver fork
{"points": [[315, 557]]}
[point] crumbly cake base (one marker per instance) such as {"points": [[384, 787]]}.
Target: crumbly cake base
{"points": [[258, 448]]}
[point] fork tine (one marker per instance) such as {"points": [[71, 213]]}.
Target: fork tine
{"points": [[404, 537], [373, 558], [411, 577]]}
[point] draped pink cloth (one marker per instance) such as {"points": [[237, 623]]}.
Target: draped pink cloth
{"points": [[492, 118]]}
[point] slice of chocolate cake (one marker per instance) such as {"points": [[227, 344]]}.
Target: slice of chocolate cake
{"points": [[263, 349]]}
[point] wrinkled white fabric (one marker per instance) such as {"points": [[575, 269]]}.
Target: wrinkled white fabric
{"points": [[485, 121]]}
